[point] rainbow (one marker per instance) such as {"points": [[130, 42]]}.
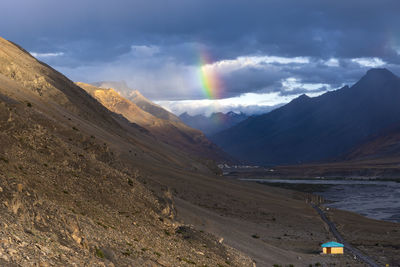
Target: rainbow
{"points": [[210, 82]]}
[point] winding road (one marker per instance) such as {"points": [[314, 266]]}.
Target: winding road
{"points": [[340, 239]]}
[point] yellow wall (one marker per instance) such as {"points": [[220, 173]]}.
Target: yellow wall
{"points": [[334, 250]]}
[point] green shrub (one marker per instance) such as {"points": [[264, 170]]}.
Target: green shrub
{"points": [[126, 253], [167, 233], [99, 253], [188, 261]]}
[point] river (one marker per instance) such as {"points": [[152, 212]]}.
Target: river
{"points": [[372, 198]]}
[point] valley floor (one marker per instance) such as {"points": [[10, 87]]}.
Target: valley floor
{"points": [[277, 226]]}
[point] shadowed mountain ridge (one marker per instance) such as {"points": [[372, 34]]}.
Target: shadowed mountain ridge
{"points": [[214, 123], [320, 128]]}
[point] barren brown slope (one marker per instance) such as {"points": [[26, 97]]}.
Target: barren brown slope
{"points": [[49, 84], [113, 101], [136, 97], [72, 184], [383, 145], [172, 132], [40, 82]]}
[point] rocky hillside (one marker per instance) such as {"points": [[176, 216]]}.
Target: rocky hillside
{"points": [[73, 180]]}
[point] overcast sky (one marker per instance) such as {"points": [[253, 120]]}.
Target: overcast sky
{"points": [[262, 53]]}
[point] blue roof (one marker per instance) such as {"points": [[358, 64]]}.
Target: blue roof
{"points": [[332, 244]]}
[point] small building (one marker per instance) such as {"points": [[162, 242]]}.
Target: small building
{"points": [[332, 248]]}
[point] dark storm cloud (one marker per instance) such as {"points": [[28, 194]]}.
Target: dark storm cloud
{"points": [[95, 36], [360, 28], [253, 79], [300, 91], [316, 71]]}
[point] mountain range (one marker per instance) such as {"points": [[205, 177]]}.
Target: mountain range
{"points": [[160, 123], [138, 99], [214, 123], [318, 129]]}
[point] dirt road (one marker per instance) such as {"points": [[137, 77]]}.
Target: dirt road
{"points": [[358, 254]]}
